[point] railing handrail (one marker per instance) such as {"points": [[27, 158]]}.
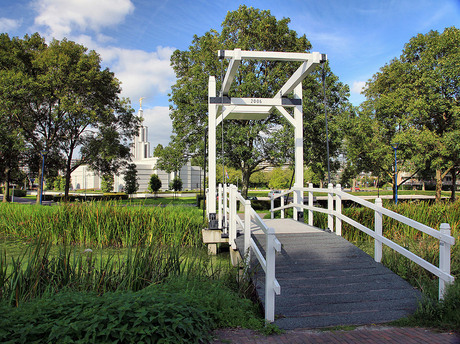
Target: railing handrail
{"points": [[272, 286], [443, 235]]}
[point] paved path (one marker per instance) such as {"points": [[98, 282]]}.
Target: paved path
{"points": [[361, 335], [326, 281]]}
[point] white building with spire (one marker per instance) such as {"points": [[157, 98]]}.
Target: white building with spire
{"points": [[192, 176]]}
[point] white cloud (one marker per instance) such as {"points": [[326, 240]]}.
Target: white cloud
{"points": [[63, 17], [7, 24], [159, 126], [143, 74], [358, 87]]}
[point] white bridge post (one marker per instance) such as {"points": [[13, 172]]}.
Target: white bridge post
{"points": [[232, 218], [298, 146], [378, 231], [220, 194], [247, 231], [270, 276], [310, 204], [330, 207], [338, 209], [212, 111], [444, 258]]}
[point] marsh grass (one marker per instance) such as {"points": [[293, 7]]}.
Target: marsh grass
{"points": [[103, 224], [37, 271]]}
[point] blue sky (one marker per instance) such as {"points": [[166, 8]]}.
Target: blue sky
{"points": [[136, 37]]}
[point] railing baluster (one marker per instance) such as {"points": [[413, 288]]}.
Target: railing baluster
{"points": [[247, 230], [220, 194], [225, 218], [232, 219], [310, 204], [330, 207], [270, 276], [272, 206], [338, 209], [282, 204], [378, 231], [444, 258]]}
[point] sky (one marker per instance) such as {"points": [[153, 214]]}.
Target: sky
{"points": [[136, 38]]}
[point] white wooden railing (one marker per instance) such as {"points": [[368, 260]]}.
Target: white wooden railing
{"points": [[443, 234], [228, 198]]}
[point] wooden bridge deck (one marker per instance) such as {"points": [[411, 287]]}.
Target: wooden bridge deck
{"points": [[327, 281]]}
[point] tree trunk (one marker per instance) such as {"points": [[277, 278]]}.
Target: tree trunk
{"points": [[6, 187], [39, 188], [453, 172], [438, 184], [67, 180], [245, 182]]}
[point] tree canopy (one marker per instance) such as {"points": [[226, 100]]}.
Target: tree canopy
{"points": [[61, 99], [249, 143], [414, 101]]}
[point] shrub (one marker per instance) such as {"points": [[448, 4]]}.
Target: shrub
{"points": [[107, 183], [176, 184], [154, 183], [131, 184]]}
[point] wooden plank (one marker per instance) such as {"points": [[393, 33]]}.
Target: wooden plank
{"points": [[326, 281]]}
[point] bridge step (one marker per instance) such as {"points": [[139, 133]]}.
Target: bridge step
{"points": [[326, 281]]}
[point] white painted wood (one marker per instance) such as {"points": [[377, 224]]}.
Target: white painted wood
{"points": [[220, 212], [247, 230], [296, 78], [378, 231], [444, 259], [286, 115], [338, 209], [272, 55], [231, 71], [298, 146], [310, 204], [446, 240], [212, 110], [270, 276], [330, 207]]}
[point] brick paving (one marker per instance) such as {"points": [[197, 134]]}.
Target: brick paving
{"points": [[361, 335]]}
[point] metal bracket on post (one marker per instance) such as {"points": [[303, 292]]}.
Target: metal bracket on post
{"points": [[213, 222], [300, 216]]}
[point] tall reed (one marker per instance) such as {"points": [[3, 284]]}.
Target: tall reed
{"points": [[104, 224], [37, 271]]}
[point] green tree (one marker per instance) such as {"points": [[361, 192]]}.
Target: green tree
{"points": [[154, 183], [415, 98], [107, 182], [157, 152], [57, 183], [248, 144], [280, 178], [62, 99], [176, 184], [131, 179], [171, 158], [259, 179]]}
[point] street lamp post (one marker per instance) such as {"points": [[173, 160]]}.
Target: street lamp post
{"points": [[395, 148], [42, 153]]}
